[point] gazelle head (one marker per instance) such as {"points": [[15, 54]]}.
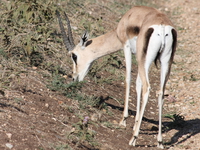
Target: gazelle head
{"points": [[79, 54]]}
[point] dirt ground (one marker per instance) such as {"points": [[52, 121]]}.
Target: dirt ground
{"points": [[32, 117], [186, 88]]}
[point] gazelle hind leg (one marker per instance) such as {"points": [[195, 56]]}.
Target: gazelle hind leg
{"points": [[145, 93], [139, 91], [164, 75], [128, 57], [143, 68], [166, 62]]}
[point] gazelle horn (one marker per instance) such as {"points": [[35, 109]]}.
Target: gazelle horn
{"points": [[68, 40], [71, 40]]}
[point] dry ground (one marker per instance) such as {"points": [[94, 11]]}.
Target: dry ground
{"points": [[34, 117]]}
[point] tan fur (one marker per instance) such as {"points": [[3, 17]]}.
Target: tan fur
{"points": [[95, 48], [142, 17], [137, 18]]}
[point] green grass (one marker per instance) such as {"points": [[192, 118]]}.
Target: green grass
{"points": [[110, 125], [69, 90], [63, 147], [177, 121], [82, 132], [73, 91]]}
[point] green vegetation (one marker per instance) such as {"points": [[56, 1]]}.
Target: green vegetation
{"points": [[83, 133], [62, 147], [26, 26], [177, 121]]}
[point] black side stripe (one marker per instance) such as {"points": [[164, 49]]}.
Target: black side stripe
{"points": [[147, 38], [174, 35]]}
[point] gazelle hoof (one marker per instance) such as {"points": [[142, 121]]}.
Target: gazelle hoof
{"points": [[160, 145], [122, 123], [132, 141]]}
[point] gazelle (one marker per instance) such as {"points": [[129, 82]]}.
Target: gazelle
{"points": [[142, 30]]}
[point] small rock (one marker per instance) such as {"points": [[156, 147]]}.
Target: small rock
{"points": [[9, 145], [47, 105], [54, 119], [12, 76], [22, 75], [90, 12], [166, 9], [9, 117], [190, 98], [75, 28], [34, 68], [96, 116], [152, 112], [9, 135], [104, 110], [72, 130], [33, 109], [115, 122]]}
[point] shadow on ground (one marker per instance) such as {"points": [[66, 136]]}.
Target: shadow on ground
{"points": [[184, 128], [187, 129]]}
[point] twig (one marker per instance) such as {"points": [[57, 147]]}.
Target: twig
{"points": [[4, 70], [40, 142]]}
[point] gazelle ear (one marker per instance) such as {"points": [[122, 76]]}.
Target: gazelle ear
{"points": [[84, 39]]}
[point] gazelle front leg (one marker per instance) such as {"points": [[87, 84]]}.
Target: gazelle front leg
{"points": [[128, 57]]}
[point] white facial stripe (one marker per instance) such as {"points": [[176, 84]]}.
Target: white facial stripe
{"points": [[82, 74]]}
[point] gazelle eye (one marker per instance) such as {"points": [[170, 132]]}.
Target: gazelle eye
{"points": [[74, 57]]}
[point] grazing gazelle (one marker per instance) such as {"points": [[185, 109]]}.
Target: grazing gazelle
{"points": [[142, 30]]}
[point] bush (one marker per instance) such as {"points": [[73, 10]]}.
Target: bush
{"points": [[26, 26]]}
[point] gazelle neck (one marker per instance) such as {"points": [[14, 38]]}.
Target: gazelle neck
{"points": [[105, 44]]}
